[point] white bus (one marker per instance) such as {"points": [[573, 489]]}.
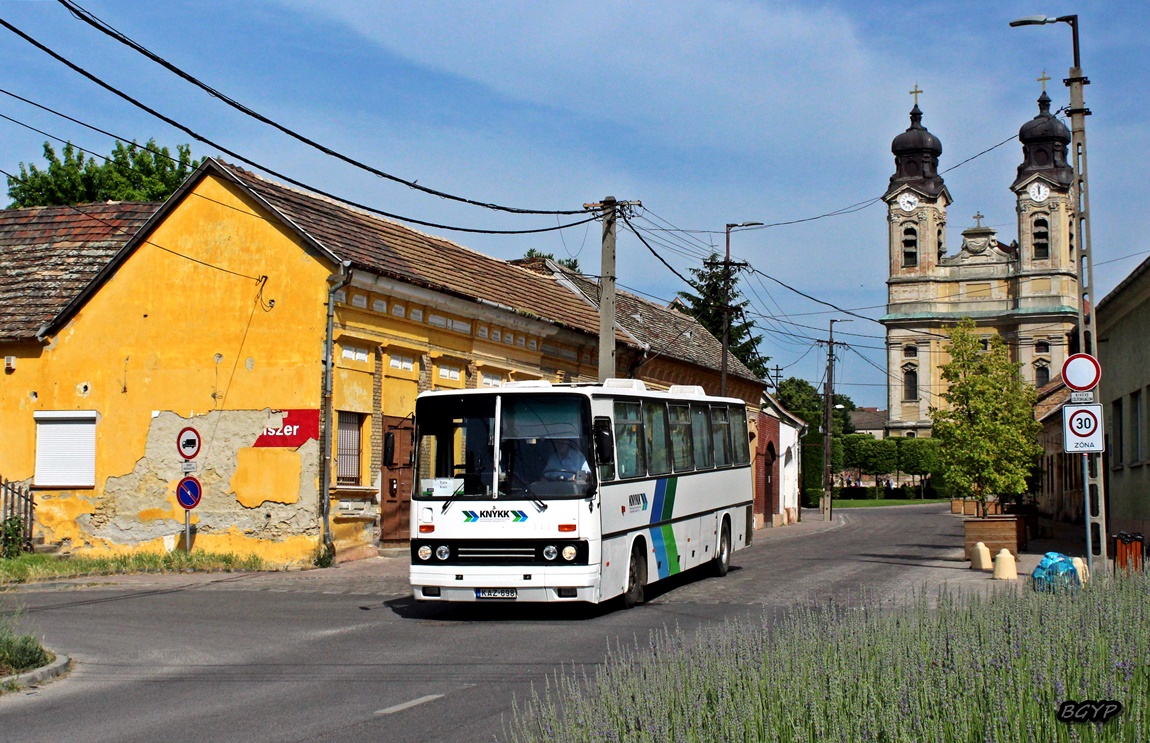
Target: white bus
{"points": [[541, 492]]}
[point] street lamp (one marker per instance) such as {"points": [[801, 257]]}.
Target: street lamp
{"points": [[1092, 476], [828, 408], [727, 300]]}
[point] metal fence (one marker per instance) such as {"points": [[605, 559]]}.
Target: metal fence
{"points": [[16, 501]]}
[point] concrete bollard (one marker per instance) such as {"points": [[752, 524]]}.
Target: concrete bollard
{"points": [[980, 557], [1004, 566], [1082, 569]]}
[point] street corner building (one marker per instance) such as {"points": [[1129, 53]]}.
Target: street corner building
{"points": [[149, 343]]}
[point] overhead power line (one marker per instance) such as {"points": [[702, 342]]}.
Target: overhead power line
{"points": [[103, 27]]}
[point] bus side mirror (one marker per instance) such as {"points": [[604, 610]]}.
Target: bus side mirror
{"points": [[389, 449], [604, 442]]}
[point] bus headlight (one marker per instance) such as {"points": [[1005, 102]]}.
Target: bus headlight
{"points": [[549, 552], [424, 552], [443, 552], [569, 552]]}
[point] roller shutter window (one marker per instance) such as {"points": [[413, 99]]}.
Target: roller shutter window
{"points": [[65, 449]]}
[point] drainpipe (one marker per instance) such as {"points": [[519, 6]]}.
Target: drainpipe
{"points": [[337, 281]]}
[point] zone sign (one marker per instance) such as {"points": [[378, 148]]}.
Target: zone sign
{"points": [[1082, 429]]}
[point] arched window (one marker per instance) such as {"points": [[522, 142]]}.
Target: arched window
{"points": [[1041, 238], [910, 384], [1070, 237], [1042, 348], [1041, 376], [910, 352], [941, 241], [910, 434], [909, 246]]}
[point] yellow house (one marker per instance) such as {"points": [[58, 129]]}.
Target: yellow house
{"points": [[159, 352]]}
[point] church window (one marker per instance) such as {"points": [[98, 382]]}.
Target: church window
{"points": [[1042, 347], [909, 352], [1041, 238], [910, 384], [941, 240], [1070, 237], [909, 247], [1041, 376]]}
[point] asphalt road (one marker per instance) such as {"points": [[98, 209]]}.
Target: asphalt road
{"points": [[346, 654]]}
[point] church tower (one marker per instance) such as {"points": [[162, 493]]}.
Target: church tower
{"points": [[1026, 292]]}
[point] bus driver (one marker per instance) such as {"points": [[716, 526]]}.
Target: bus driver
{"points": [[566, 463]]}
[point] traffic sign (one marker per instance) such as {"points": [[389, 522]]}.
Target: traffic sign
{"points": [[1082, 429], [188, 492], [188, 442], [1081, 372]]}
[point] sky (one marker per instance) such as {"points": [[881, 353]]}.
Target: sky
{"points": [[708, 113]]}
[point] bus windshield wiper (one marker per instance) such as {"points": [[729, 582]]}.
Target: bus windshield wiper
{"points": [[451, 498], [540, 506]]}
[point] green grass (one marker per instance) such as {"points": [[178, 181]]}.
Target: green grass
{"points": [[28, 568], [955, 668], [872, 502], [19, 653]]}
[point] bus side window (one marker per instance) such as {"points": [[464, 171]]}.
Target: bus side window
{"points": [[658, 446], [701, 436], [681, 449], [740, 446], [630, 452], [721, 436]]}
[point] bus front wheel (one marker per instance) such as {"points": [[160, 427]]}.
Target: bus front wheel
{"points": [[723, 554], [636, 578]]}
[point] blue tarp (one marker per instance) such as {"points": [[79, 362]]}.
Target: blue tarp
{"points": [[1055, 573]]}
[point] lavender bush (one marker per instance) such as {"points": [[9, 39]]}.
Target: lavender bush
{"points": [[955, 668]]}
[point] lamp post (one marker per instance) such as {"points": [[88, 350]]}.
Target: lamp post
{"points": [[828, 411], [1092, 474], [727, 300]]}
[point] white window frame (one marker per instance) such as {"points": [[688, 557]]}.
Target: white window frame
{"points": [[65, 449]]}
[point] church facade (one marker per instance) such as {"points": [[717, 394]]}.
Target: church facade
{"points": [[1026, 292]]}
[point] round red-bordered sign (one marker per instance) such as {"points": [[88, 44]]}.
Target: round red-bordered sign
{"points": [[1083, 423], [189, 492], [188, 443], [1081, 372]]}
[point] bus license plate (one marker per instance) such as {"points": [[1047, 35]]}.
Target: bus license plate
{"points": [[496, 593]]}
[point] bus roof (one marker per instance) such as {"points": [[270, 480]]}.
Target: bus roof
{"points": [[610, 388]]}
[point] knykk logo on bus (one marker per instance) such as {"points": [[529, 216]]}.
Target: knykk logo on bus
{"points": [[637, 502], [515, 517]]}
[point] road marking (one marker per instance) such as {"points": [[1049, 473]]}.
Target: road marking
{"points": [[408, 705]]}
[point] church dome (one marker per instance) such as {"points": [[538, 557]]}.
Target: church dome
{"points": [[1045, 127], [916, 139], [916, 154], [1044, 148]]}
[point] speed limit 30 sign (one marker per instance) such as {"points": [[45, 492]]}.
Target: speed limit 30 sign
{"points": [[1082, 429]]}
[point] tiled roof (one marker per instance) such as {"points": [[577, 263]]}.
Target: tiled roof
{"points": [[397, 251], [868, 419], [391, 249], [1051, 397], [48, 254]]}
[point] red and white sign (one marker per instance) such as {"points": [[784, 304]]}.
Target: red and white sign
{"points": [[1082, 429], [297, 428], [188, 442], [1081, 372]]}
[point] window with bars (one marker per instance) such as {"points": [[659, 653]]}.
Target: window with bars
{"points": [[348, 448]]}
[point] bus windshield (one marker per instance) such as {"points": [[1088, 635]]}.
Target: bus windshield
{"points": [[542, 451]]}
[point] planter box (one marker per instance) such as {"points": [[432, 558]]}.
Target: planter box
{"points": [[969, 507], [956, 505], [997, 533]]}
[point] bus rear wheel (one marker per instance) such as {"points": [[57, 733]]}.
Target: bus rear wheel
{"points": [[636, 578], [722, 562]]}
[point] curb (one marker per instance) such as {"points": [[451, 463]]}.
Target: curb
{"points": [[61, 665]]}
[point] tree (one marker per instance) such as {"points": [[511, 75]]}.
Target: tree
{"points": [[918, 457], [801, 398], [568, 263], [706, 306], [987, 431], [132, 173], [869, 455]]}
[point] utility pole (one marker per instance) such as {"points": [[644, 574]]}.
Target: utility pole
{"points": [[1093, 475], [608, 208], [828, 412], [727, 298]]}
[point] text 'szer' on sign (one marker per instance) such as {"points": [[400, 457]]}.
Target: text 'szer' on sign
{"points": [[188, 492], [295, 429], [188, 442], [1082, 429]]}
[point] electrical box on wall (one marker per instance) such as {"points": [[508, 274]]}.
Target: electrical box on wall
{"points": [[9, 363]]}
